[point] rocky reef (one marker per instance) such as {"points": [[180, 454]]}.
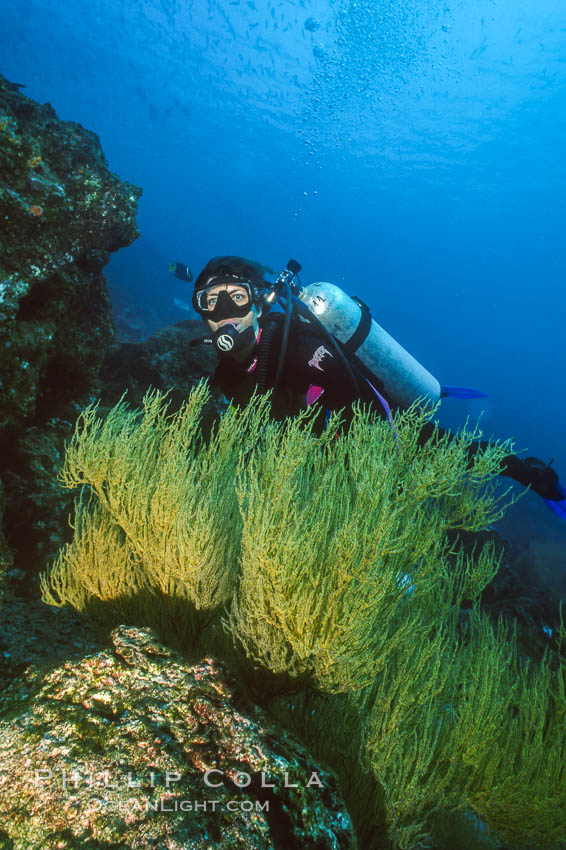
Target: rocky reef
{"points": [[167, 360], [62, 214], [133, 747]]}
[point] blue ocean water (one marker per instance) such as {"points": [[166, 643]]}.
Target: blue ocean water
{"points": [[411, 152]]}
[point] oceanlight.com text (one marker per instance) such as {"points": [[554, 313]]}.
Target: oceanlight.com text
{"points": [[164, 804]]}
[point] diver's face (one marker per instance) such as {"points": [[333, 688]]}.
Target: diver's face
{"points": [[240, 297]]}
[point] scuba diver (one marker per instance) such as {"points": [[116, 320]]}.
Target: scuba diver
{"points": [[322, 348]]}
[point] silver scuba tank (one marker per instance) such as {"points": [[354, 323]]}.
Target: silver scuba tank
{"points": [[403, 377]]}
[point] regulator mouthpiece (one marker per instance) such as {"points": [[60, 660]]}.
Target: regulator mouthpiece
{"points": [[227, 339]]}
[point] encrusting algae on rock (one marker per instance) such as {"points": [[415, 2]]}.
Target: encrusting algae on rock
{"points": [[133, 747]]}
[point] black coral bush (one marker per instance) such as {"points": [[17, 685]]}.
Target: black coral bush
{"points": [[327, 561]]}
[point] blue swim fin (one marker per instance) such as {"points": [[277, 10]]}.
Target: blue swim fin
{"points": [[461, 392], [558, 506]]}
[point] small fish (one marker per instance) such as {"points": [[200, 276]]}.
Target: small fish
{"points": [[181, 271], [312, 25]]}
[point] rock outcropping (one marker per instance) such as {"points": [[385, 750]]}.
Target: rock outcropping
{"points": [[167, 360], [62, 213], [132, 747]]}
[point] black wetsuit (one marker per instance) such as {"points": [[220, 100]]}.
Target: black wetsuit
{"points": [[313, 373]]}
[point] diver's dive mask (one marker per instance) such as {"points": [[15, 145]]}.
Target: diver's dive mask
{"points": [[215, 307]]}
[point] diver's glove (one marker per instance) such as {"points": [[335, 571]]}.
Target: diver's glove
{"points": [[544, 481]]}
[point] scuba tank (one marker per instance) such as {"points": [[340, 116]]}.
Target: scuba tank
{"points": [[349, 321]]}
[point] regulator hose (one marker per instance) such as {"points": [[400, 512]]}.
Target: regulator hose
{"points": [[286, 327], [268, 330]]}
